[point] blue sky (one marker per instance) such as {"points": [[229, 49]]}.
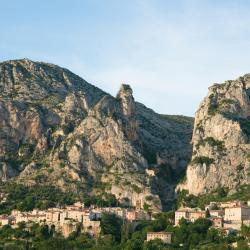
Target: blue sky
{"points": [[170, 52]]}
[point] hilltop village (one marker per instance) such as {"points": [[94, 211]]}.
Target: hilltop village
{"points": [[228, 217], [69, 218]]}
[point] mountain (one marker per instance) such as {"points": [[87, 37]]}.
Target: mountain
{"points": [[58, 129], [221, 139]]}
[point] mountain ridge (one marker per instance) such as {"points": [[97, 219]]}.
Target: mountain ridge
{"points": [[57, 128]]}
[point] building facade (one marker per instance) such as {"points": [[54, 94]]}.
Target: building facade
{"points": [[166, 237], [238, 213]]}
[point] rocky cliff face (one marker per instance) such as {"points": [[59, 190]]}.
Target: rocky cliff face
{"points": [[57, 128], [221, 139]]}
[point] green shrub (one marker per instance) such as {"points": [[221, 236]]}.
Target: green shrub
{"points": [[220, 145], [26, 149], [202, 160], [50, 170], [40, 178], [146, 206], [62, 165], [136, 188], [200, 128], [149, 198], [239, 168], [227, 101], [247, 156], [213, 109]]}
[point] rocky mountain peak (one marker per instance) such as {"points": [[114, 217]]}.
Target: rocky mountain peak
{"points": [[58, 129], [125, 90], [221, 138], [125, 96]]}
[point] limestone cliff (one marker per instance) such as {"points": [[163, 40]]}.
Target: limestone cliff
{"points": [[57, 128], [221, 139]]}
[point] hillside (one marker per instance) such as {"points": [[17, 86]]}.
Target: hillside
{"points": [[221, 137], [57, 129]]}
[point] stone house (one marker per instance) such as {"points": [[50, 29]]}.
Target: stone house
{"points": [[75, 215], [238, 213], [179, 214], [230, 204], [120, 212], [166, 237], [217, 222], [188, 214], [131, 215], [212, 205], [216, 213], [27, 217], [53, 215], [68, 227], [194, 215], [92, 227], [4, 220]]}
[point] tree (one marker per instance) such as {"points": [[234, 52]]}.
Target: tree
{"points": [[242, 245], [156, 244], [126, 231], [106, 242], [55, 243], [213, 235], [84, 241], [111, 224], [207, 213], [245, 231]]}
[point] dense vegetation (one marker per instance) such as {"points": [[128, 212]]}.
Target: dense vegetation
{"points": [[26, 198]]}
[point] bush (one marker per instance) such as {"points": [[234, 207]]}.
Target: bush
{"points": [[149, 198], [213, 109], [220, 145], [202, 160], [215, 143], [62, 165], [136, 188], [146, 206]]}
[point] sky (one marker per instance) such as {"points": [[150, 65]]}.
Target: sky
{"points": [[170, 52]]}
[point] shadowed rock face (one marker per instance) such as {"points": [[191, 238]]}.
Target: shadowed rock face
{"points": [[57, 128], [221, 139]]}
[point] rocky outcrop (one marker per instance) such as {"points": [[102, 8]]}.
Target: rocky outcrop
{"points": [[57, 128], [221, 139]]}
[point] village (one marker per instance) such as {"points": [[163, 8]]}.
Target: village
{"points": [[225, 216], [71, 217], [228, 216]]}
